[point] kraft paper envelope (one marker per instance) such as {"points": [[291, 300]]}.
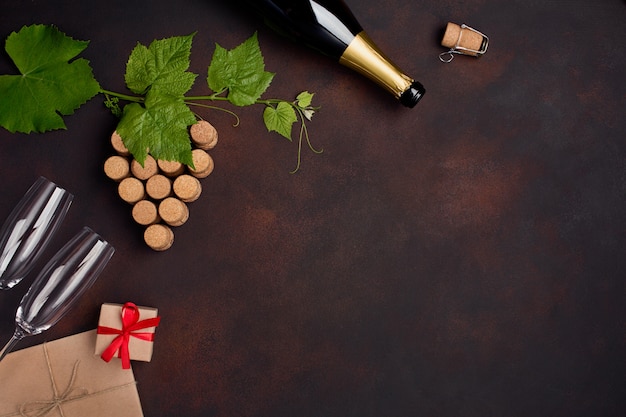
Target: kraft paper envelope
{"points": [[65, 378]]}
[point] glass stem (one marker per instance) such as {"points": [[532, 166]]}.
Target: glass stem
{"points": [[17, 336]]}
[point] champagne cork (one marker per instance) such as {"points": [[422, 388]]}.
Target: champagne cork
{"points": [[118, 144], [116, 168], [145, 213], [144, 172], [464, 39], [159, 237], [158, 187], [131, 190], [187, 188], [202, 162], [173, 211], [203, 135], [171, 168]]}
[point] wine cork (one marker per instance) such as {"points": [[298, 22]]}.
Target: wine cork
{"points": [[187, 188], [145, 213], [131, 190], [202, 162], [173, 211], [159, 186], [116, 168], [171, 168], [159, 237], [118, 144], [148, 169], [203, 135], [456, 37]]}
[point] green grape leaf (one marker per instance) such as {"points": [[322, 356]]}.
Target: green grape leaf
{"points": [[159, 128], [50, 86], [304, 99], [241, 71], [161, 67], [280, 119]]}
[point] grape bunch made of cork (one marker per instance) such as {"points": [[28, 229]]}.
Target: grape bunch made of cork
{"points": [[161, 191]]}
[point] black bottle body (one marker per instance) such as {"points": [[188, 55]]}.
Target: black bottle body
{"points": [[329, 27], [326, 26]]}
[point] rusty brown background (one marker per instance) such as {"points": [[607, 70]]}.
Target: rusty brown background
{"points": [[462, 258]]}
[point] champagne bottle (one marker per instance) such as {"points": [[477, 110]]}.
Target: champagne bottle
{"points": [[329, 27]]}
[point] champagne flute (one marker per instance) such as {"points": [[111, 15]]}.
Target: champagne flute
{"points": [[29, 228], [60, 283]]}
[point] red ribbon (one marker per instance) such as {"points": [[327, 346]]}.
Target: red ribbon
{"points": [[130, 325]]}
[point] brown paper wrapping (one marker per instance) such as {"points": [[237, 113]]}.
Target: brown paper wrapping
{"points": [[111, 316], [64, 379]]}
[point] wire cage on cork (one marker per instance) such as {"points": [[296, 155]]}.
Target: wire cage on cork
{"points": [[462, 40]]}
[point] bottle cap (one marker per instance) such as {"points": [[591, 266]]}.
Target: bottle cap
{"points": [[413, 94], [462, 40]]}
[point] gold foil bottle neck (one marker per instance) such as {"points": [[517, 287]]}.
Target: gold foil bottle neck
{"points": [[363, 56]]}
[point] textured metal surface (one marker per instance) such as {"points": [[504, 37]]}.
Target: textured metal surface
{"points": [[462, 258]]}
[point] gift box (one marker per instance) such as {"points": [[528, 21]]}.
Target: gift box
{"points": [[63, 378], [127, 332]]}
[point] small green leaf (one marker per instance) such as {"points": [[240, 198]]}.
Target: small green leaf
{"points": [[280, 119], [162, 66], [241, 71], [304, 99], [49, 85], [160, 128]]}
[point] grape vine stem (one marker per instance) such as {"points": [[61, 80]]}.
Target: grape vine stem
{"points": [[194, 101]]}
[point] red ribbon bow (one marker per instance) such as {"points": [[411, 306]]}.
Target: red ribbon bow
{"points": [[130, 325]]}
